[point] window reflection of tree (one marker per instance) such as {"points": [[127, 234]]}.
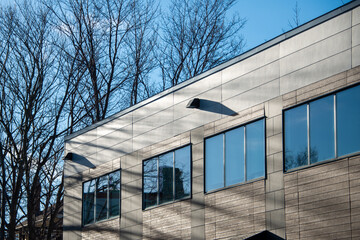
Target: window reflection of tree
{"points": [[97, 193], [182, 180], [300, 159], [182, 172], [150, 182], [101, 198], [114, 194], [89, 194], [169, 183], [165, 184]]}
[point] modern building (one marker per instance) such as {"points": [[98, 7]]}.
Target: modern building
{"points": [[264, 145]]}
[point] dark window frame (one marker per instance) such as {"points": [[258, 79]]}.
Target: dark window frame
{"points": [[224, 163], [108, 200], [158, 204], [307, 102]]}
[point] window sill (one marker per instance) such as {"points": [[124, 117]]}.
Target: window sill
{"points": [[167, 203], [321, 163], [236, 185], [101, 221]]}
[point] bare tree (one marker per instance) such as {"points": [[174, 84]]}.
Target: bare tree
{"points": [[296, 17], [3, 188], [140, 44], [32, 104], [62, 67], [94, 34], [198, 35]]}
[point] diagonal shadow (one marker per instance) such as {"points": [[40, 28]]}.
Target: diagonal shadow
{"points": [[81, 160], [216, 107]]}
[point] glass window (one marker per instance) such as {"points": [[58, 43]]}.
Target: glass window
{"points": [[348, 121], [114, 194], [296, 149], [214, 161], [88, 201], [318, 119], [101, 198], [255, 150], [322, 129], [150, 182], [244, 157], [166, 169], [167, 177], [234, 157], [182, 173]]}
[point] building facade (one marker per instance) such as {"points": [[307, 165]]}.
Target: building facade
{"points": [[267, 141]]}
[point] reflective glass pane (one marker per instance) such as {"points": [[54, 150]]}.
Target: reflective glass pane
{"points": [[214, 163], [150, 188], [234, 156], [101, 198], [114, 194], [296, 151], [182, 173], [348, 121], [88, 202], [322, 142], [255, 150], [166, 168]]}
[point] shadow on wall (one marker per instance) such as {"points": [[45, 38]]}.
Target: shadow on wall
{"points": [[156, 234], [215, 107], [310, 208], [78, 159], [129, 233]]}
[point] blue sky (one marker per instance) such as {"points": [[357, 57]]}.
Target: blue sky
{"points": [[267, 19]]}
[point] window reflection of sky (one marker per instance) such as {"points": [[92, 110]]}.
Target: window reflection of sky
{"points": [[232, 168], [348, 121], [322, 129], [234, 156], [296, 137], [214, 167], [255, 150]]}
